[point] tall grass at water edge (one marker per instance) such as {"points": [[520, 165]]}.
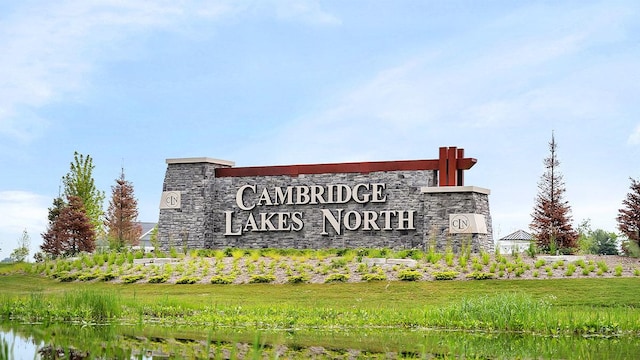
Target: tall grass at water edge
{"points": [[80, 305], [504, 312]]}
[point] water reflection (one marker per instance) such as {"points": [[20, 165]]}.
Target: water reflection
{"points": [[68, 341]]}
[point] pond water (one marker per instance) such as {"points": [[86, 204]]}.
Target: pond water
{"points": [[84, 341]]}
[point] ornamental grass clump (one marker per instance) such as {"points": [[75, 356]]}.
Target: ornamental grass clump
{"points": [[618, 270], [571, 268], [602, 265]]}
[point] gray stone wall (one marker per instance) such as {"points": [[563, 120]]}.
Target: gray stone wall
{"points": [[402, 192], [202, 220], [438, 207], [190, 225]]}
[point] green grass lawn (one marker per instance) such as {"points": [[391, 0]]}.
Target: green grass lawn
{"points": [[563, 292]]}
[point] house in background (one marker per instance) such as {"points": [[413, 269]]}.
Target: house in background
{"points": [[516, 242], [145, 237], [144, 241]]}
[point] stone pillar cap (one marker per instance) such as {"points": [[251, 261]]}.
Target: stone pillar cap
{"points": [[195, 160]]}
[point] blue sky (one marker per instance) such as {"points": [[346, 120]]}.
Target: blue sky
{"points": [[132, 83]]}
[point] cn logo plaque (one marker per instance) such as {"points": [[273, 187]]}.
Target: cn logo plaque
{"points": [[459, 224], [467, 224], [170, 200]]}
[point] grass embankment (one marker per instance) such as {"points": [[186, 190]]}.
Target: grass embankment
{"points": [[577, 306], [242, 266]]}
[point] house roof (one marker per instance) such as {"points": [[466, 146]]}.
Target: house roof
{"points": [[518, 235], [147, 228]]}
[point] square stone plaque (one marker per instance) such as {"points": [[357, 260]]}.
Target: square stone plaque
{"points": [[170, 200]]}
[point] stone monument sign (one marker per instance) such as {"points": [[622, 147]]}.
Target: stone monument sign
{"points": [[210, 203]]}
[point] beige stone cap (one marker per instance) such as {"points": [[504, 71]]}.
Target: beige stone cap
{"points": [[195, 160], [453, 189]]}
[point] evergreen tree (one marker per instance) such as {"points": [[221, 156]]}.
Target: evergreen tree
{"points": [[629, 216], [122, 215], [604, 243], [71, 232], [51, 242], [551, 223], [79, 182]]}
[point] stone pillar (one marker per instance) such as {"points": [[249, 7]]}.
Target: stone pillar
{"points": [[455, 216], [187, 202]]}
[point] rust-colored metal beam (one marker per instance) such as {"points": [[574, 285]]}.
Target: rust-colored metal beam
{"points": [[449, 166], [353, 167]]}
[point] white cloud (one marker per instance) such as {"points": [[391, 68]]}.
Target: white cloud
{"points": [[51, 49], [19, 211], [539, 76]]}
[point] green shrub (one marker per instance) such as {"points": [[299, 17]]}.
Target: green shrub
{"points": [[89, 276], [477, 275], [297, 279], [130, 279], [338, 263], [445, 275], [108, 276], [261, 279], [539, 263], [158, 279], [409, 275], [374, 277], [188, 280], [336, 278], [221, 280], [66, 276]]}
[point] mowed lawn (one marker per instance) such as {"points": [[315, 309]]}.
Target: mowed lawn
{"points": [[592, 292]]}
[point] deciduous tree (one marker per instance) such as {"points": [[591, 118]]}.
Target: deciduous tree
{"points": [[629, 216], [79, 182], [21, 253], [551, 223], [122, 215]]}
